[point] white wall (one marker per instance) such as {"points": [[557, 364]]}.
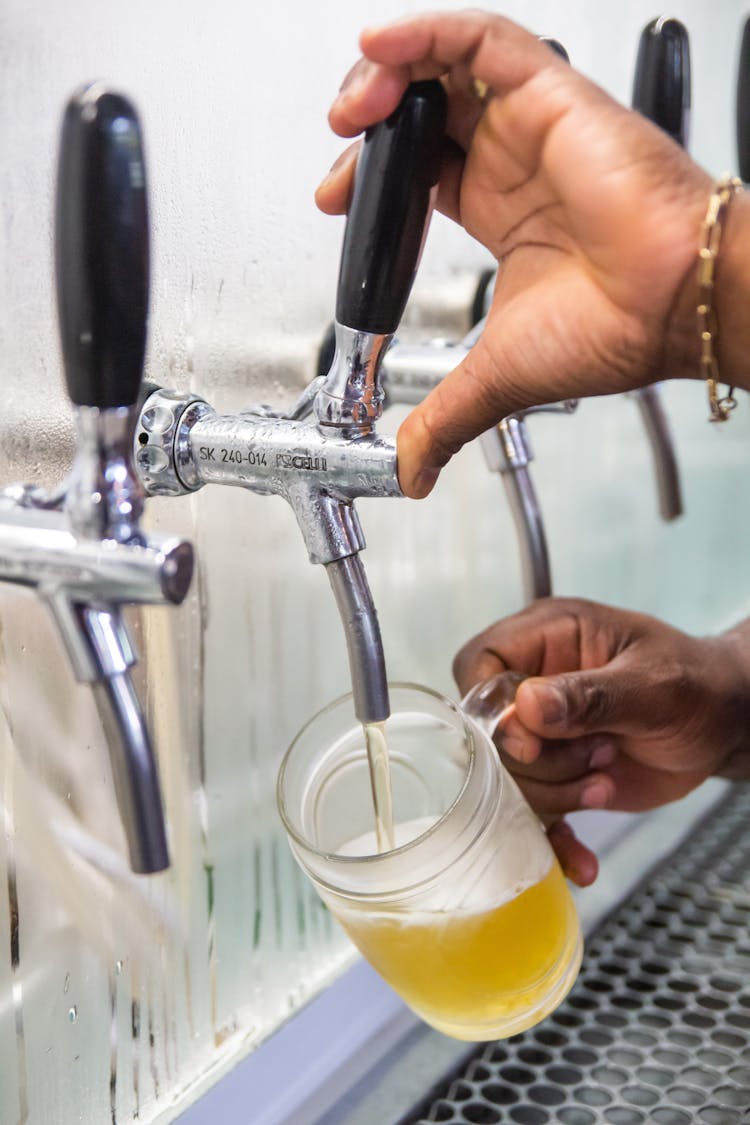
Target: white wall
{"points": [[124, 991]]}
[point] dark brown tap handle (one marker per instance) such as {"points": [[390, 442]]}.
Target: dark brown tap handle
{"points": [[102, 249], [743, 105], [398, 166], [661, 89]]}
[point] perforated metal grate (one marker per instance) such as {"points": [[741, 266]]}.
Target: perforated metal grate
{"points": [[657, 1027]]}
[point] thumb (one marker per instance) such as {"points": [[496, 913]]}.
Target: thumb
{"points": [[511, 366], [578, 703], [468, 401]]}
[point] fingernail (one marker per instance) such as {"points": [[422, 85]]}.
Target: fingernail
{"points": [[595, 796], [424, 482], [351, 85], [603, 756], [552, 703], [348, 77]]}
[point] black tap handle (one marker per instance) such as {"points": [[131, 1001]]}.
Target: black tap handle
{"points": [[743, 105], [661, 90], [556, 46], [102, 249], [398, 166]]}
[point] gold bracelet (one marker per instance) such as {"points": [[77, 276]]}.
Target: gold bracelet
{"points": [[720, 408]]}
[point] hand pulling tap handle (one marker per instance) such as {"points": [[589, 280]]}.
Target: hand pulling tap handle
{"points": [[743, 105], [397, 169], [661, 92], [102, 249]]}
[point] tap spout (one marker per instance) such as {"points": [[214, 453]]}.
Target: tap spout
{"points": [[532, 541], [508, 451], [666, 470], [101, 631], [363, 640], [135, 773]]}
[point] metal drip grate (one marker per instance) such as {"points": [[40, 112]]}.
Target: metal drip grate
{"points": [[657, 1027]]}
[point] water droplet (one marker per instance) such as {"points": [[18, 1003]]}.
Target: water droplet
{"points": [[118, 967], [66, 985], [73, 1013]]}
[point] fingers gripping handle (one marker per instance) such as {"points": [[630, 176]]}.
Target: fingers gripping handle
{"points": [[102, 249], [661, 90], [398, 167]]}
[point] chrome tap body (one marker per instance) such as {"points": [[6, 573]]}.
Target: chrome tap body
{"points": [[183, 444]]}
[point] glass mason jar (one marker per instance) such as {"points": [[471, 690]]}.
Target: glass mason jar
{"points": [[469, 917]]}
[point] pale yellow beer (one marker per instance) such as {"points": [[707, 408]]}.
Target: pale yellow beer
{"points": [[476, 973]]}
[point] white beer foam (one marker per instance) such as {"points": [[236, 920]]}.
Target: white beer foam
{"points": [[483, 880]]}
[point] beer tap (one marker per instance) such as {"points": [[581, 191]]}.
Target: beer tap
{"points": [[80, 547], [325, 452], [661, 92]]}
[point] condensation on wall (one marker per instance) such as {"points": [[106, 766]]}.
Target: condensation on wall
{"points": [[118, 993]]}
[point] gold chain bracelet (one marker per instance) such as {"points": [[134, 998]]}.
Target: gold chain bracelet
{"points": [[720, 408]]}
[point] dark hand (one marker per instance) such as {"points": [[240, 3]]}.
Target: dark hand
{"points": [[630, 713], [594, 213]]}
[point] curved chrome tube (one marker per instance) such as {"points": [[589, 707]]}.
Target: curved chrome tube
{"points": [[363, 640], [532, 541], [134, 768], [666, 471]]}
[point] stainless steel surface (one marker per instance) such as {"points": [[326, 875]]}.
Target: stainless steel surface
{"points": [[134, 769], [319, 471], [659, 434], [39, 549], [657, 1029], [411, 371], [363, 641], [351, 397], [536, 574], [82, 550], [104, 498]]}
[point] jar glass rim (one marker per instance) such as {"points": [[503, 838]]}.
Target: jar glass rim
{"points": [[470, 730]]}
